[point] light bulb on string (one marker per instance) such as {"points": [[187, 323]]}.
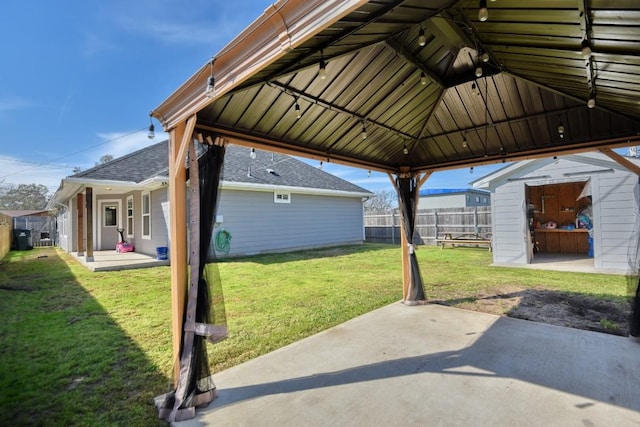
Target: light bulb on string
{"points": [[322, 70], [479, 71], [320, 165], [422, 40], [297, 109], [561, 130], [363, 134], [152, 129], [592, 101], [405, 150], [483, 12], [474, 89], [252, 154], [464, 141], [484, 57], [423, 78]]}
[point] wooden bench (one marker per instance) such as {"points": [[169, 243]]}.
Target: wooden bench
{"points": [[463, 240]]}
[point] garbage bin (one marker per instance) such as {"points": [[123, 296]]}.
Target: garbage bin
{"points": [[590, 253], [22, 239], [162, 253]]}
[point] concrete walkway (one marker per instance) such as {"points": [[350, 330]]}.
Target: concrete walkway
{"points": [[437, 366]]}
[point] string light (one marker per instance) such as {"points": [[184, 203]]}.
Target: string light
{"points": [[320, 165], [592, 101], [464, 141], [422, 40], [369, 174], [252, 154], [405, 150], [423, 78], [364, 131], [561, 130], [479, 71], [297, 109], [471, 169], [322, 70], [152, 129], [211, 81], [484, 57], [483, 12], [474, 89]]}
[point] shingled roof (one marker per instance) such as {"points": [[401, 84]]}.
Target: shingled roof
{"points": [[266, 169]]}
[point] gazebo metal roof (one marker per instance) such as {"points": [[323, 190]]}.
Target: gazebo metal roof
{"points": [[423, 107]]}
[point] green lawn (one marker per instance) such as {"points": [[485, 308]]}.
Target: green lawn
{"points": [[82, 348]]}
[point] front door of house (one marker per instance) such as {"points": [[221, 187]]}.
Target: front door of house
{"points": [[109, 224]]}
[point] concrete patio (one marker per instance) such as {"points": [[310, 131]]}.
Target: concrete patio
{"points": [[437, 366], [563, 262], [112, 261]]}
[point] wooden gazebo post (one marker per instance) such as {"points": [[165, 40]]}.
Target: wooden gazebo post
{"points": [[404, 244], [179, 140]]}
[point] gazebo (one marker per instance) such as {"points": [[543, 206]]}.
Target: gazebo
{"points": [[404, 87]]}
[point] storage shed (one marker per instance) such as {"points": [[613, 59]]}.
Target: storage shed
{"points": [[580, 204]]}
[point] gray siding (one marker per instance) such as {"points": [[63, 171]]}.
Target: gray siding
{"points": [[257, 224], [159, 230]]}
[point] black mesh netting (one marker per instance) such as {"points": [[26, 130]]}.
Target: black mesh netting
{"points": [[204, 315], [408, 197]]}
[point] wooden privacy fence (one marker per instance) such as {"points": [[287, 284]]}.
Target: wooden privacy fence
{"points": [[6, 231], [431, 224]]}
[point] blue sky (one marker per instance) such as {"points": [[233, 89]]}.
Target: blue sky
{"points": [[79, 79]]}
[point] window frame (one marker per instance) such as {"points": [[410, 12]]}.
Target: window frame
{"points": [[130, 216], [283, 197], [146, 216]]}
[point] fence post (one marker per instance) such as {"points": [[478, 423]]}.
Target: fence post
{"points": [[475, 220], [435, 224], [393, 228]]}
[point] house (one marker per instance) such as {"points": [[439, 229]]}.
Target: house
{"points": [[268, 202], [437, 198], [580, 204]]}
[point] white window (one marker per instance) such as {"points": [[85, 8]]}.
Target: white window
{"points": [[146, 215], [130, 216], [484, 200], [279, 197], [477, 199]]}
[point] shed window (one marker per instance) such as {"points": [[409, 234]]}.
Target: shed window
{"points": [[281, 197], [146, 215]]}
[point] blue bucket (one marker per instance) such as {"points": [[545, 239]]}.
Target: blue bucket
{"points": [[161, 253]]}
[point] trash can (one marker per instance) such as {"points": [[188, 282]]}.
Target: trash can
{"points": [[162, 253], [22, 239], [590, 253]]}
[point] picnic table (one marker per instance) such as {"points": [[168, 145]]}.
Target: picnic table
{"points": [[465, 239]]}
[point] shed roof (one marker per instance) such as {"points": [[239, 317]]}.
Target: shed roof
{"points": [[419, 102], [516, 170]]}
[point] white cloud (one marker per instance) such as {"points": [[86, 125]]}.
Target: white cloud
{"points": [[17, 171], [13, 103]]}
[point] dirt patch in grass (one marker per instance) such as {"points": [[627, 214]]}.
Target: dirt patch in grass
{"points": [[552, 307]]}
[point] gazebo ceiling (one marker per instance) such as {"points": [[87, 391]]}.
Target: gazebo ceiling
{"points": [[422, 106]]}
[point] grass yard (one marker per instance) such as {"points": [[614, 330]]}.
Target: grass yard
{"points": [[82, 348]]}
